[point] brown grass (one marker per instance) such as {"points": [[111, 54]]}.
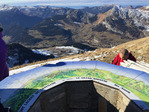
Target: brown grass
{"points": [[139, 48]]}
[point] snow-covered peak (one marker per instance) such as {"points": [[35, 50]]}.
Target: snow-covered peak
{"points": [[140, 16], [25, 7], [144, 9], [5, 7], [147, 7], [118, 6]]}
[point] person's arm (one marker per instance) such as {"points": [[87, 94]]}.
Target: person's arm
{"points": [[132, 58], [1, 74], [2, 67], [115, 61]]}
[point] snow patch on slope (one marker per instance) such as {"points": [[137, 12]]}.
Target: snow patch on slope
{"points": [[13, 72]]}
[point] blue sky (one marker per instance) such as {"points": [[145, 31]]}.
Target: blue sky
{"points": [[74, 2]]}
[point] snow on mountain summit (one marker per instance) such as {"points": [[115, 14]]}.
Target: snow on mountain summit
{"points": [[147, 7], [5, 7], [139, 16]]}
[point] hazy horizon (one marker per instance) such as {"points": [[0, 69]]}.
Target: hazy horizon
{"points": [[74, 3], [73, 7]]}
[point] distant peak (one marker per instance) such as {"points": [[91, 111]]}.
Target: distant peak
{"points": [[5, 7], [146, 8], [129, 7]]}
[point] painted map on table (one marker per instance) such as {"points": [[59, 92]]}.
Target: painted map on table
{"points": [[132, 80]]}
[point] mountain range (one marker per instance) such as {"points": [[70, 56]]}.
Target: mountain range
{"points": [[92, 27]]}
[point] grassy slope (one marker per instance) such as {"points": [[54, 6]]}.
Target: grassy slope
{"points": [[139, 48]]}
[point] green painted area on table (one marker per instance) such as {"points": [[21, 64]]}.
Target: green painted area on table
{"points": [[139, 88]]}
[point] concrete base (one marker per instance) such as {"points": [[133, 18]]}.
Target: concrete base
{"points": [[85, 96]]}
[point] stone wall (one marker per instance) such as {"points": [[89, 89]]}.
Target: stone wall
{"points": [[85, 96], [121, 102]]}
